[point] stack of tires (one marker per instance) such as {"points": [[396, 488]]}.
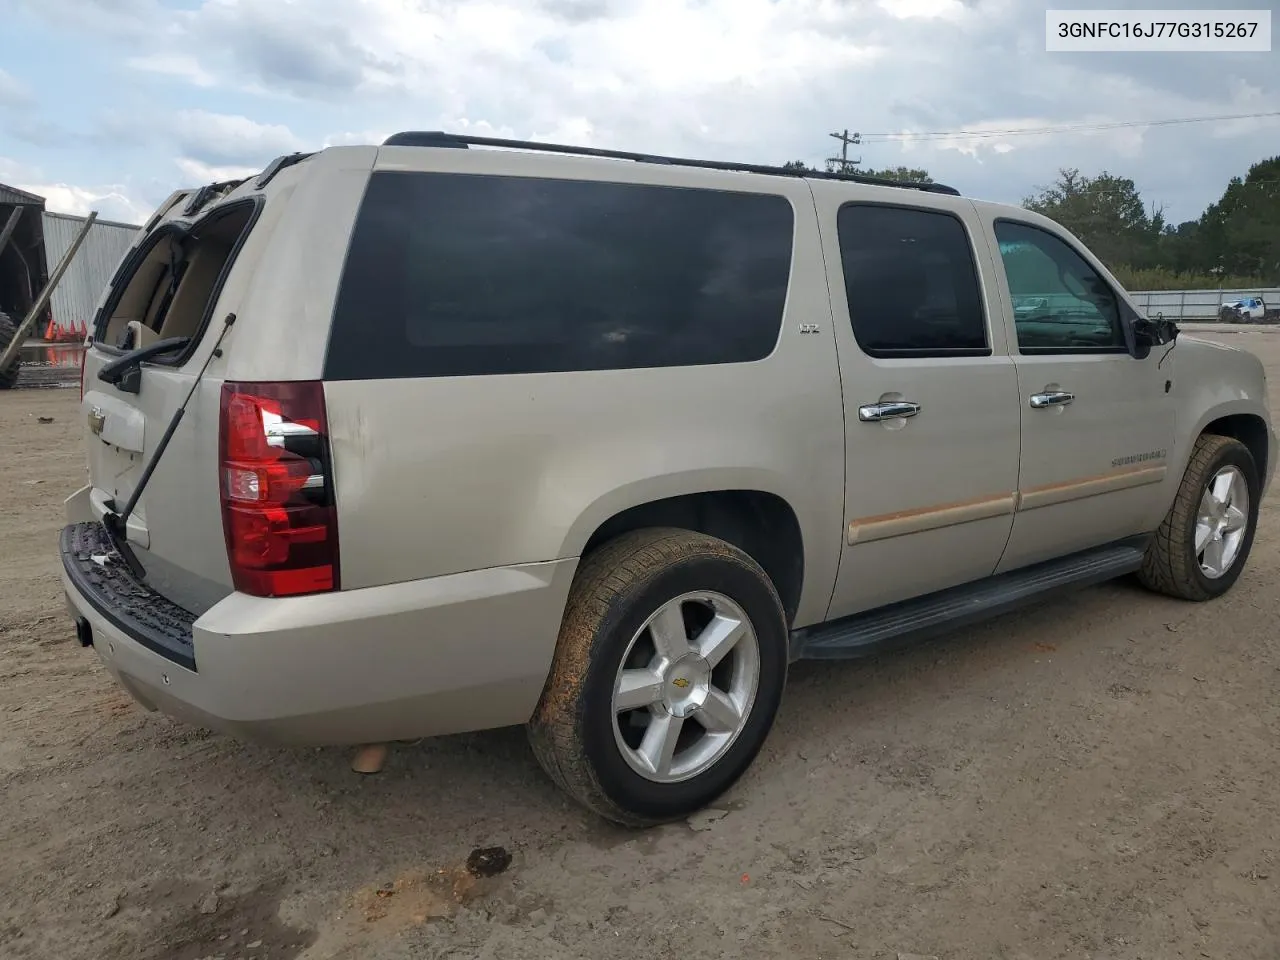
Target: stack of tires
{"points": [[9, 375]]}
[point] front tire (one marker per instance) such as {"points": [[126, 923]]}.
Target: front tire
{"points": [[1201, 547], [667, 675]]}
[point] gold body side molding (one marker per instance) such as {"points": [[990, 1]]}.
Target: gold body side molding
{"points": [[931, 518], [884, 526], [1110, 482]]}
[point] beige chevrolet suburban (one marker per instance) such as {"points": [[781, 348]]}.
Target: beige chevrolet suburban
{"points": [[455, 433]]}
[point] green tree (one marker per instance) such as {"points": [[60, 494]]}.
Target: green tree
{"points": [[1234, 243], [1240, 234], [1107, 213], [912, 174], [888, 173]]}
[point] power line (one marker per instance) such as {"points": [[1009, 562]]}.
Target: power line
{"points": [[1057, 128]]}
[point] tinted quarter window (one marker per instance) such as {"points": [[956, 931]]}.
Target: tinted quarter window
{"points": [[911, 282], [1060, 303], [460, 274]]}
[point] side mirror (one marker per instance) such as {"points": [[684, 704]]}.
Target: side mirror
{"points": [[1148, 333]]}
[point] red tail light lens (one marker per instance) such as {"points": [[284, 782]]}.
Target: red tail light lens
{"points": [[278, 512]]}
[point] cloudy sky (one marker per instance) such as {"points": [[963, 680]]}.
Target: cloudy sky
{"points": [[111, 104]]}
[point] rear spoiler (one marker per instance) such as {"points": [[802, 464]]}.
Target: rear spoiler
{"points": [[278, 164]]}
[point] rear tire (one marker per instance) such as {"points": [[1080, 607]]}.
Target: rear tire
{"points": [[1202, 546], [667, 676], [8, 330]]}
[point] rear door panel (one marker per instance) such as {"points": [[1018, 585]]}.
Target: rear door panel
{"points": [[929, 499]]}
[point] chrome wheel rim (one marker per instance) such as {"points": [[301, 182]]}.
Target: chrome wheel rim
{"points": [[686, 686], [1222, 521]]}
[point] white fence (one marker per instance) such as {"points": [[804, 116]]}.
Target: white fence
{"points": [[1198, 304]]}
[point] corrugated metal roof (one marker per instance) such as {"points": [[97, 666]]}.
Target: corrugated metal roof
{"points": [[75, 299], [14, 195], [50, 215]]}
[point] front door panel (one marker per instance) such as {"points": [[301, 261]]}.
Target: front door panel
{"points": [[1097, 424]]}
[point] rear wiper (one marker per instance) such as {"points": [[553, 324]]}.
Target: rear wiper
{"points": [[126, 373]]}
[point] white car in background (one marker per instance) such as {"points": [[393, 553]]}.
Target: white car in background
{"points": [[1243, 310]]}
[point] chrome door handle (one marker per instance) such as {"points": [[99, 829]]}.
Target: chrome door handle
{"points": [[1054, 398], [894, 410]]}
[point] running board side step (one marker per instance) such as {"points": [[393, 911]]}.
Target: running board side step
{"points": [[864, 634]]}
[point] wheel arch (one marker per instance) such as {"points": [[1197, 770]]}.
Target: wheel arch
{"points": [[761, 523], [1251, 430]]}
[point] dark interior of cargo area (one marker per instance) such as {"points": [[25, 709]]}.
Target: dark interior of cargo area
{"points": [[22, 254], [174, 283]]}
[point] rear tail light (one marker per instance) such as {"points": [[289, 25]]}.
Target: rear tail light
{"points": [[278, 511]]}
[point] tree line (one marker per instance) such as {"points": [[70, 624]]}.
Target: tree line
{"points": [[1235, 243]]}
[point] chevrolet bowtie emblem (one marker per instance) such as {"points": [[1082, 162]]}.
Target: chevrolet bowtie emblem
{"points": [[680, 682], [97, 420]]}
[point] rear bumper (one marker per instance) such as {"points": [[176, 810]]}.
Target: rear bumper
{"points": [[451, 654], [91, 565]]}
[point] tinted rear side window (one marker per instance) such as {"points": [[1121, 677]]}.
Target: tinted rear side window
{"points": [[911, 282], [462, 274]]}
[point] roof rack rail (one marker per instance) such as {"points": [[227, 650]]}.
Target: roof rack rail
{"points": [[437, 138]]}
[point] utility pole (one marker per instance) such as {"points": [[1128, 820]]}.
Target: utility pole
{"points": [[842, 163]]}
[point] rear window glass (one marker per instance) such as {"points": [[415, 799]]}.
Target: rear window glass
{"points": [[462, 274]]}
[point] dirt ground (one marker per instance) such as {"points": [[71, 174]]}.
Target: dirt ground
{"points": [[1095, 777]]}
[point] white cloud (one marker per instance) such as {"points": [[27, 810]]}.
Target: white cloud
{"points": [[350, 138], [659, 67], [11, 171], [113, 202], [906, 9], [13, 92], [230, 140], [195, 172], [174, 65]]}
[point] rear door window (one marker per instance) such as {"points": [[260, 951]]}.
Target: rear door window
{"points": [[911, 282], [463, 274]]}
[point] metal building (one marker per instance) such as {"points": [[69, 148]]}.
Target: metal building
{"points": [[37, 244], [76, 296]]}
